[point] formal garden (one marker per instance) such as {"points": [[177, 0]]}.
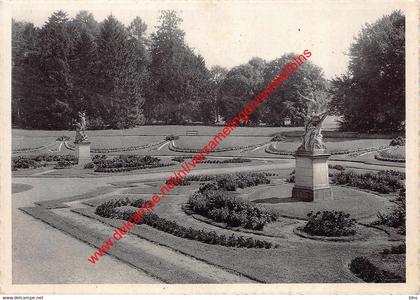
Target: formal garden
{"points": [[310, 188]]}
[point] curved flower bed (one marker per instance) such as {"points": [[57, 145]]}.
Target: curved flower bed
{"points": [[115, 209], [395, 154], [125, 169], [271, 149], [23, 150], [124, 149], [174, 148]]}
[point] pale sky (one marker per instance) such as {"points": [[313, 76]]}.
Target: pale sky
{"points": [[230, 33]]}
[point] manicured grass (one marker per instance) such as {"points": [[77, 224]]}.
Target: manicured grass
{"points": [[357, 203], [19, 187], [198, 142]]}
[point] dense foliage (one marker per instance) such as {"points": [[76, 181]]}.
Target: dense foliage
{"points": [[371, 96], [364, 269], [330, 223], [123, 161], [123, 209], [213, 200], [36, 161], [398, 141], [384, 182], [397, 216]]}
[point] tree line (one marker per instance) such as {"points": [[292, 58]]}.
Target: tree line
{"points": [[123, 78]]}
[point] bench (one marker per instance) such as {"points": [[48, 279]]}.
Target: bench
{"points": [[192, 132]]}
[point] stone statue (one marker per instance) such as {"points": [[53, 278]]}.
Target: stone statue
{"points": [[317, 111], [81, 129]]}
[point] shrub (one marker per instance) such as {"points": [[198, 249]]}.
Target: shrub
{"points": [[21, 162], [278, 138], [203, 236], [171, 137], [400, 249], [221, 206], [89, 165], [337, 167], [63, 138], [108, 208], [396, 217], [368, 272], [330, 223], [383, 181], [123, 161], [63, 164], [398, 141]]}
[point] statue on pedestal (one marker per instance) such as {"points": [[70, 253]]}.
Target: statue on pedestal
{"points": [[81, 135], [317, 111]]}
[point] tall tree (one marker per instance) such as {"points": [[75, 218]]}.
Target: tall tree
{"points": [[24, 41], [217, 76], [371, 96], [48, 104], [179, 78], [118, 80], [285, 102], [238, 87]]}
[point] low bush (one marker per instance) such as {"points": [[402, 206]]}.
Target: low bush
{"points": [[126, 169], [21, 162], [236, 160], [63, 138], [63, 164], [398, 141], [400, 249], [221, 206], [368, 272], [123, 161], [48, 157], [203, 236], [330, 223], [396, 217], [278, 138], [125, 208], [337, 167], [89, 165], [108, 208], [171, 137], [383, 182]]}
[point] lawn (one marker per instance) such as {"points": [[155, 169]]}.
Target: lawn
{"points": [[198, 142]]}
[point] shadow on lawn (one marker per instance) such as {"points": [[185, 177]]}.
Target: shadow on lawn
{"points": [[275, 200]]}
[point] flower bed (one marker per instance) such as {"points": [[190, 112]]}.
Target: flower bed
{"points": [[125, 161], [396, 154], [126, 169], [221, 206], [172, 147], [22, 162], [124, 149], [397, 216], [125, 208], [383, 182], [271, 149], [365, 270], [108, 209], [232, 181], [330, 224]]}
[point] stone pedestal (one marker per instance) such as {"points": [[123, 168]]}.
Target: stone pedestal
{"points": [[83, 153], [311, 176]]}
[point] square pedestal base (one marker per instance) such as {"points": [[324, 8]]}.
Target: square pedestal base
{"points": [[83, 154], [311, 176], [309, 194]]}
